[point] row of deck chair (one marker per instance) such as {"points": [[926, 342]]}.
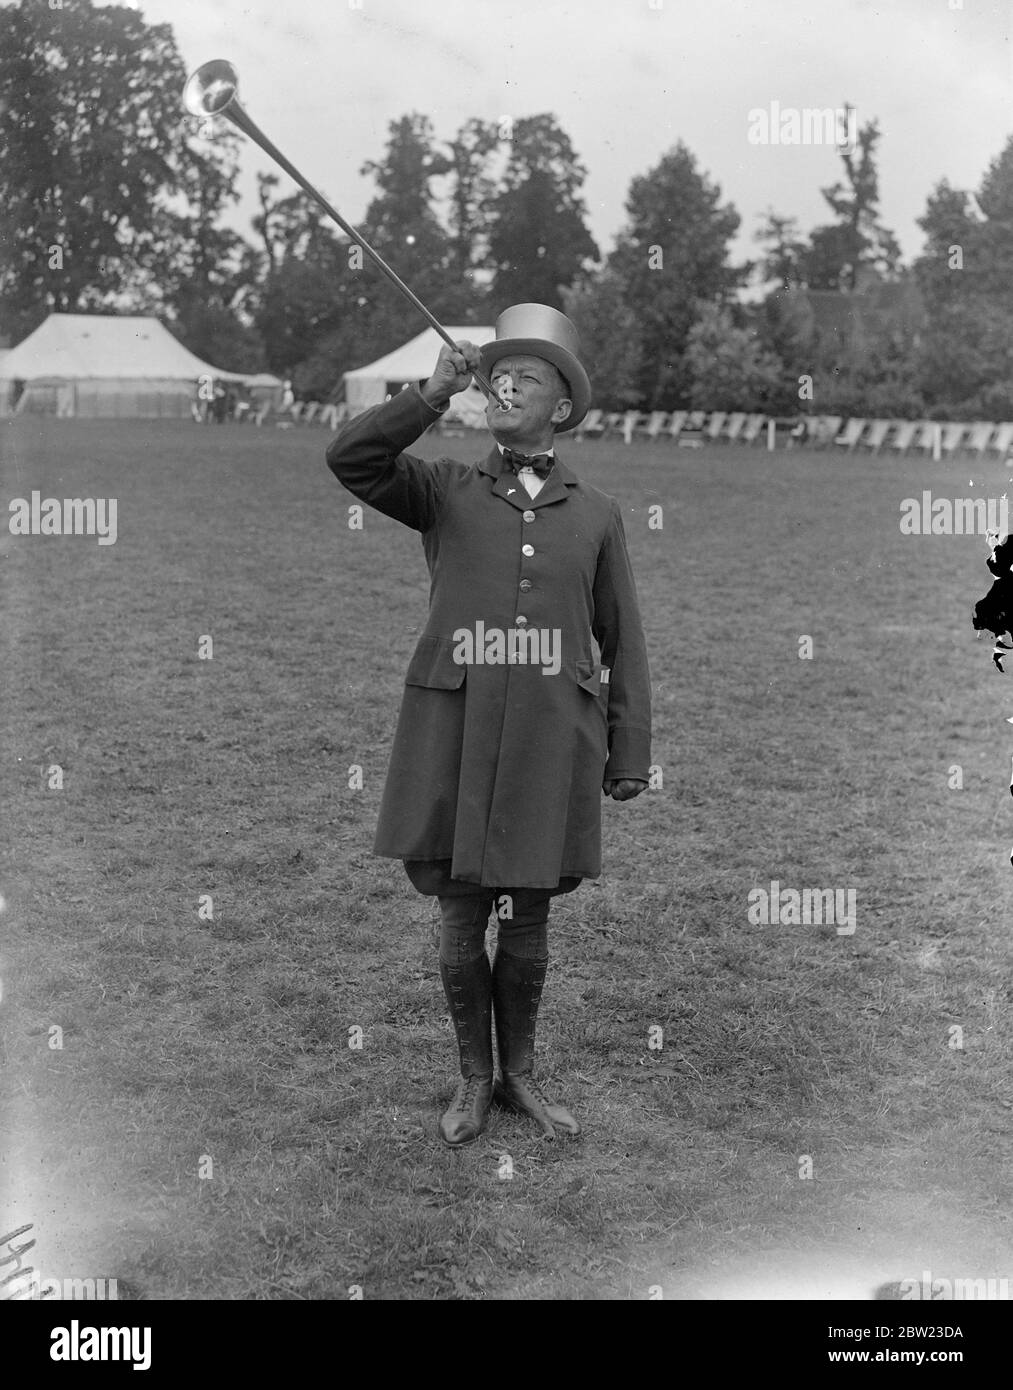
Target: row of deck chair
{"points": [[976, 438], [685, 427], [302, 413], [696, 428]]}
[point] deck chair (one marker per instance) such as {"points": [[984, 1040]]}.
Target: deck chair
{"points": [[592, 423], [733, 428], [1003, 440], [652, 425], [679, 418], [904, 433], [876, 434], [978, 436], [952, 436], [629, 421], [691, 435], [813, 431], [827, 428], [925, 434], [311, 412], [752, 429], [798, 435], [715, 425], [853, 432]]}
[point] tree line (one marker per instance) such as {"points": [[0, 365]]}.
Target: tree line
{"points": [[111, 199]]}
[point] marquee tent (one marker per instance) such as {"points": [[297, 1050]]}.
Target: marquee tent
{"points": [[99, 366], [412, 361]]}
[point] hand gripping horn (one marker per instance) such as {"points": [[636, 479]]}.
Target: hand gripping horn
{"points": [[213, 90]]}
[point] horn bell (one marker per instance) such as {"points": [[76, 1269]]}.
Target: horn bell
{"points": [[211, 89]]}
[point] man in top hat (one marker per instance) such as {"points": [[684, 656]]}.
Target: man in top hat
{"points": [[528, 693]]}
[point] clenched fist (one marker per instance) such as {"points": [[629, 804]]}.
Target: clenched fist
{"points": [[625, 789], [454, 367]]}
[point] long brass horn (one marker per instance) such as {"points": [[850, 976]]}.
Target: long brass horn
{"points": [[213, 90]]}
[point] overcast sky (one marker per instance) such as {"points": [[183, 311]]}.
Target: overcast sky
{"points": [[626, 79]]}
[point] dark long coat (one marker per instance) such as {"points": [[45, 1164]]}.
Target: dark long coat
{"points": [[499, 767]]}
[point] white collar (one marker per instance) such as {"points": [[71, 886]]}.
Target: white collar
{"points": [[549, 453]]}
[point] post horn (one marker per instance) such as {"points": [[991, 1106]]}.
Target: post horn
{"points": [[213, 90]]}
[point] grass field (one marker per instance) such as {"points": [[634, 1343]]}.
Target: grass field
{"points": [[228, 1039]]}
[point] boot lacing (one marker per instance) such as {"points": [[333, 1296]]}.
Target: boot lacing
{"points": [[466, 1093], [535, 1089]]}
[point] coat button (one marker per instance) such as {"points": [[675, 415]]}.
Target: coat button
{"points": [[527, 550], [521, 621], [529, 516], [525, 585]]}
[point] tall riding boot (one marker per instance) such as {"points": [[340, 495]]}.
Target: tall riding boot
{"points": [[516, 991], [468, 988]]}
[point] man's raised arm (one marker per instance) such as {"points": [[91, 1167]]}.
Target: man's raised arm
{"points": [[367, 453]]}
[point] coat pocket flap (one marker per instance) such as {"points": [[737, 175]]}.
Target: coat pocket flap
{"points": [[433, 665], [592, 677]]}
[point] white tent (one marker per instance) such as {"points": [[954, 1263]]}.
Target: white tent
{"points": [[96, 365], [412, 361]]}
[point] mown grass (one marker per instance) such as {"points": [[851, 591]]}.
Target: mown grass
{"points": [[229, 777]]}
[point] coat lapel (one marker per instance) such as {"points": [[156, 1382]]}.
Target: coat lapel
{"points": [[512, 490], [555, 488]]}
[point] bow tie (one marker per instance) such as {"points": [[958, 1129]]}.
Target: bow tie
{"points": [[541, 463]]}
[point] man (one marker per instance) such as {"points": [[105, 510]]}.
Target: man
{"points": [[511, 723]]}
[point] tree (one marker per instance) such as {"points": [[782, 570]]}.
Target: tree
{"points": [[730, 370], [211, 271], [787, 329], [470, 194], [402, 224], [965, 274], [673, 253], [538, 239], [783, 260], [95, 147], [324, 307], [609, 337], [293, 226], [309, 294], [859, 347], [839, 250]]}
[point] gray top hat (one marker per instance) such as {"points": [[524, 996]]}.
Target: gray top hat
{"points": [[537, 330]]}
